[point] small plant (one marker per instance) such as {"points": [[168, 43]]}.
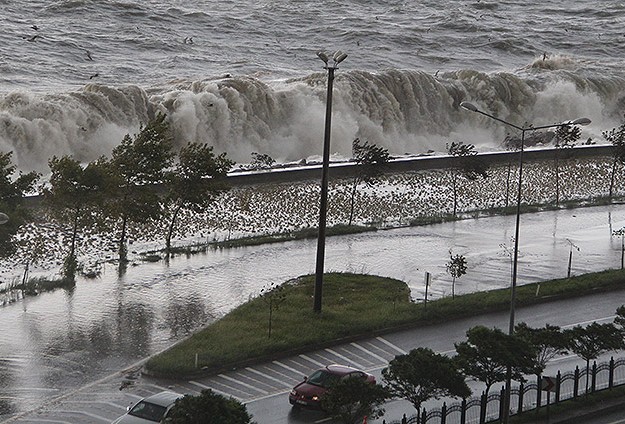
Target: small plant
{"points": [[272, 296], [351, 399], [370, 160], [467, 166], [208, 407], [456, 267]]}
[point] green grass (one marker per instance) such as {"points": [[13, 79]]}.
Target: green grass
{"points": [[354, 306], [243, 335]]}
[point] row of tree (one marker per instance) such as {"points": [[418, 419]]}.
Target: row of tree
{"points": [[486, 356], [469, 168], [144, 179]]}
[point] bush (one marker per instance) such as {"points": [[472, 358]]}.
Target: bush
{"points": [[208, 408]]}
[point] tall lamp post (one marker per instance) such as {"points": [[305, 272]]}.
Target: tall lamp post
{"points": [[581, 121], [337, 58]]}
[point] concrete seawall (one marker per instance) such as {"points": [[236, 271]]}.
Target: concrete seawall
{"points": [[421, 163], [338, 170]]}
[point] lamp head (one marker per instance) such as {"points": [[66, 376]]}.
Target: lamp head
{"points": [[469, 106], [321, 55], [339, 56], [581, 121]]}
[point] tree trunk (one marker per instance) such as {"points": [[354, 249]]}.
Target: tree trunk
{"points": [[612, 176], [170, 231], [455, 191], [353, 201], [123, 254], [70, 263], [557, 179], [453, 287], [587, 374], [508, 184], [72, 249]]}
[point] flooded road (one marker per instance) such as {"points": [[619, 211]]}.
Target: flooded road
{"points": [[61, 340]]}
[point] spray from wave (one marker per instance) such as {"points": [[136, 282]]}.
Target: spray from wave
{"points": [[406, 111]]}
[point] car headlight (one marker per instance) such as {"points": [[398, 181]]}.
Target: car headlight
{"points": [[293, 393], [315, 398]]}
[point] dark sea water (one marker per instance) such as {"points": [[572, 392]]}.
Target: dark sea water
{"points": [[77, 75]]}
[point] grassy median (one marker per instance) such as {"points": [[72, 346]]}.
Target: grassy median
{"points": [[354, 306]]}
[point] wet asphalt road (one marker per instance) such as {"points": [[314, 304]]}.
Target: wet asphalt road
{"points": [[264, 387]]}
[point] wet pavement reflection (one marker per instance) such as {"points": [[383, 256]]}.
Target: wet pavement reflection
{"points": [[58, 341]]}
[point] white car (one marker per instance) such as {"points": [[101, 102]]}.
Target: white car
{"points": [[152, 409]]}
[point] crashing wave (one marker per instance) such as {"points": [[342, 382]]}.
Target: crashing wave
{"points": [[406, 111]]}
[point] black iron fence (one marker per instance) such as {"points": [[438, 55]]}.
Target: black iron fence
{"points": [[543, 392]]}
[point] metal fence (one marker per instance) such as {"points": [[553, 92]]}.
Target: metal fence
{"points": [[524, 397]]}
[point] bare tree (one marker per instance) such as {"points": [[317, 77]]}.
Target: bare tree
{"points": [[468, 167], [369, 159], [273, 296], [566, 137], [616, 136]]}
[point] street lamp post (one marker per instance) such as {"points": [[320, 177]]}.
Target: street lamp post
{"points": [[337, 58], [581, 121]]}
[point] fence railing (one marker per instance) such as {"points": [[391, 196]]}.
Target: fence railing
{"points": [[524, 397]]}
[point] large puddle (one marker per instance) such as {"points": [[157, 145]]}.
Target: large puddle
{"points": [[64, 339]]}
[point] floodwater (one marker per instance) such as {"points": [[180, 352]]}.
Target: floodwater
{"points": [[61, 340]]}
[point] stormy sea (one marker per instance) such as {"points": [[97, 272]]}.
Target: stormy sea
{"points": [[244, 76]]}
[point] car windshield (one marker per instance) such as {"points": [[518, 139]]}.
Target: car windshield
{"points": [[148, 411], [322, 378]]}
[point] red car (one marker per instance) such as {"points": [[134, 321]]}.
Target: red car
{"points": [[308, 393]]}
